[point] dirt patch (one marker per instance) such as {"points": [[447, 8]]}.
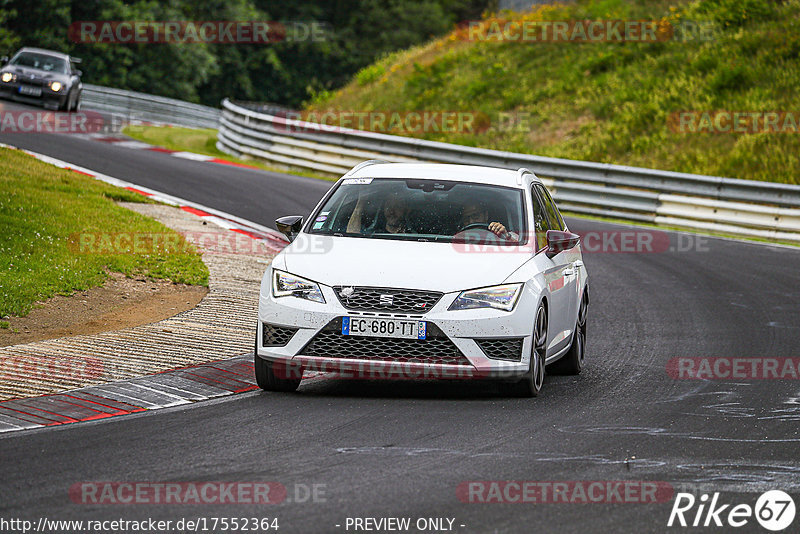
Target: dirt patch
{"points": [[554, 132], [121, 303]]}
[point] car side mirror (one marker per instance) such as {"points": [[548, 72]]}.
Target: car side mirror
{"points": [[558, 241], [290, 226], [78, 73]]}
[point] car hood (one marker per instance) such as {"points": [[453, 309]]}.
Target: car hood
{"points": [[445, 267]]}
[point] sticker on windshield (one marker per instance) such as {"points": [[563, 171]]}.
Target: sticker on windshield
{"points": [[357, 181], [317, 226], [321, 218]]}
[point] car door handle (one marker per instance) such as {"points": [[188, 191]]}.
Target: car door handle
{"points": [[569, 272], [578, 264]]}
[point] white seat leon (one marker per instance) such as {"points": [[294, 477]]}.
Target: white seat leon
{"points": [[425, 271]]}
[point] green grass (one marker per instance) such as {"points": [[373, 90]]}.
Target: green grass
{"points": [[44, 209], [609, 102], [199, 141]]}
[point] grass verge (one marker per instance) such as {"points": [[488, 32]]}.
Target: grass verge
{"points": [[43, 209]]}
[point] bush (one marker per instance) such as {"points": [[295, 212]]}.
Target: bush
{"points": [[731, 78], [370, 74]]}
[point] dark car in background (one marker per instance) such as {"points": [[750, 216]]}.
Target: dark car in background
{"points": [[42, 77]]}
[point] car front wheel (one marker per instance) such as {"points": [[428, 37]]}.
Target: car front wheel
{"points": [[272, 377], [531, 383], [67, 105]]}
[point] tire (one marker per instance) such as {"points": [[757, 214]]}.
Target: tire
{"points": [[531, 384], [573, 361], [76, 106], [67, 105], [266, 377]]}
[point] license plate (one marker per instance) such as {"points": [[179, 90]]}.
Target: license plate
{"points": [[374, 327], [29, 90]]}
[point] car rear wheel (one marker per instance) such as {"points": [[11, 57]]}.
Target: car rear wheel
{"points": [[572, 362], [269, 380], [531, 383]]}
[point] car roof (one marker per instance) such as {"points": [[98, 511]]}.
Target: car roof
{"points": [[43, 51], [440, 171]]}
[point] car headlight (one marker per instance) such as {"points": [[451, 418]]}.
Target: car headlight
{"points": [[289, 285], [7, 77], [56, 86], [499, 297]]}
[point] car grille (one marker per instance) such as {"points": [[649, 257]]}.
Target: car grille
{"points": [[37, 81], [276, 336], [437, 348], [502, 349], [380, 299]]}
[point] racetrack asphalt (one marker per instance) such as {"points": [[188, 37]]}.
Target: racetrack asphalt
{"points": [[402, 448]]}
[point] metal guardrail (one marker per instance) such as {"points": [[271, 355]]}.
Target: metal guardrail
{"points": [[711, 203], [134, 106]]}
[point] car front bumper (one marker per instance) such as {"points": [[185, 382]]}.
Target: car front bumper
{"points": [[311, 325], [47, 99]]}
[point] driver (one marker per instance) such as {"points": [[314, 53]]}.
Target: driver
{"points": [[477, 213]]}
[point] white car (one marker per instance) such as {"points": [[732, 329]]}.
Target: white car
{"points": [[409, 270]]}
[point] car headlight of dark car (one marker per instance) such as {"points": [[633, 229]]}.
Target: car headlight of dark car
{"points": [[8, 77], [56, 86]]}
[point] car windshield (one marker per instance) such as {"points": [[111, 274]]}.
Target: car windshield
{"points": [[43, 62], [422, 210]]}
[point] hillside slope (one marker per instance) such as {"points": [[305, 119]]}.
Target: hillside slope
{"points": [[615, 102]]}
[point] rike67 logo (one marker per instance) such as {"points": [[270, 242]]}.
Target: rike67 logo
{"points": [[774, 510]]}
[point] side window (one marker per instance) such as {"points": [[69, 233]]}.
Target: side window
{"points": [[553, 215], [541, 225]]}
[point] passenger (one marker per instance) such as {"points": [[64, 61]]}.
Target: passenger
{"points": [[392, 219]]}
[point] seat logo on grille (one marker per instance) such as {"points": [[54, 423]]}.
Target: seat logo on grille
{"points": [[347, 292], [387, 300]]}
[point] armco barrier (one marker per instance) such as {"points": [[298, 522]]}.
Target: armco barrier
{"points": [[133, 106], [728, 205]]}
